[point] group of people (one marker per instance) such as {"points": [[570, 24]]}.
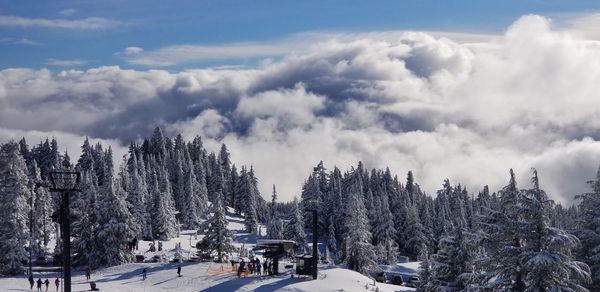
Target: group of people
{"points": [[255, 267], [40, 283]]}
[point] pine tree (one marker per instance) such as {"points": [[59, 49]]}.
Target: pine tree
{"points": [[194, 196], [42, 209], [217, 237], [360, 253], [294, 229], [547, 254], [331, 240], [85, 243], [114, 223], [248, 192], [588, 230], [138, 195], [504, 240], [449, 263], [14, 209], [164, 224]]}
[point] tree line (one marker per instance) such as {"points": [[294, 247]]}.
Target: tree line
{"points": [[513, 239]]}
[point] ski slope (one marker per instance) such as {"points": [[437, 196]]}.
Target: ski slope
{"points": [[205, 276]]}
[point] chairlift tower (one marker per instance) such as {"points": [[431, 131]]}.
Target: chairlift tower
{"points": [[65, 182]]}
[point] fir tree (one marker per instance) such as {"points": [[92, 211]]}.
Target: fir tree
{"points": [[85, 243], [360, 253], [547, 254], [217, 237], [294, 230], [14, 209], [588, 230], [114, 223]]}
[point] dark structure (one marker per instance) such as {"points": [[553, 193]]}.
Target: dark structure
{"points": [[275, 249], [65, 182], [306, 265], [315, 254]]}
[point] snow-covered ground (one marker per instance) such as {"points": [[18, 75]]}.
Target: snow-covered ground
{"points": [[196, 277], [207, 276]]}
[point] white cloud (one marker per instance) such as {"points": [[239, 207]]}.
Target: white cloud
{"points": [[412, 101], [297, 43], [132, 51], [90, 23], [19, 41], [64, 63], [68, 12]]}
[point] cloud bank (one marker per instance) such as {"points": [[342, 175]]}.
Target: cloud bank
{"points": [[468, 111]]}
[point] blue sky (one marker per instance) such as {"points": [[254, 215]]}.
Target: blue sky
{"points": [[30, 37]]}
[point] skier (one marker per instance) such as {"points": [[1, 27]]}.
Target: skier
{"points": [[257, 266], [270, 268], [57, 283], [144, 272], [47, 282], [160, 246], [31, 281], [88, 272], [265, 267], [179, 270], [241, 268], [39, 284]]}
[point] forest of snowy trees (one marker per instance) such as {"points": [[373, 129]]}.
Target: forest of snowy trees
{"points": [[513, 239], [161, 186]]}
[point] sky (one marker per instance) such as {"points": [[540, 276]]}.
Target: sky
{"points": [[463, 90]]}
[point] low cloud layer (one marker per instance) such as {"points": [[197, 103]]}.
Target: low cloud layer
{"points": [[438, 106]]}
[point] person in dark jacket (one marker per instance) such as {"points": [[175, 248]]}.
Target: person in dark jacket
{"points": [[257, 266], [47, 282], [265, 268], [179, 270], [31, 281], [144, 273], [57, 283], [241, 267], [39, 284], [88, 272]]}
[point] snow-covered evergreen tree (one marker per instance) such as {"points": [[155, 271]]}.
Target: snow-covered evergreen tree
{"points": [[114, 223], [217, 237], [588, 230], [294, 229], [194, 196], [137, 196], [360, 254], [332, 245], [85, 243], [547, 253], [248, 192], [14, 209], [504, 242], [164, 224]]}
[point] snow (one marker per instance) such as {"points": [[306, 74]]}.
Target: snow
{"points": [[207, 276], [196, 277]]}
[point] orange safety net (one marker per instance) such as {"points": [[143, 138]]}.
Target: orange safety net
{"points": [[218, 270]]}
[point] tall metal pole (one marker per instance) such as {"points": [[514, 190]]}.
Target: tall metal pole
{"points": [[66, 238], [30, 232], [315, 246]]}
